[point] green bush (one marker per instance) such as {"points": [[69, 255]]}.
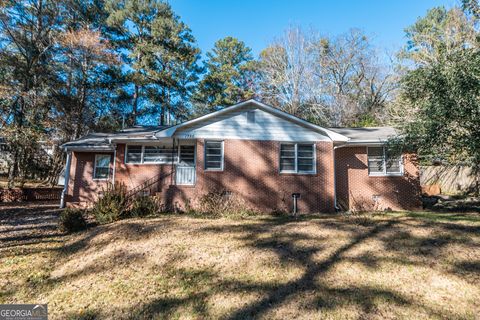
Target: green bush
{"points": [[72, 220], [112, 205], [224, 204], [144, 206]]}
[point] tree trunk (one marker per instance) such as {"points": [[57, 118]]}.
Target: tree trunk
{"points": [[135, 105], [12, 173], [162, 114]]}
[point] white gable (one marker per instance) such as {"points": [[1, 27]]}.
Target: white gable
{"points": [[234, 125]]}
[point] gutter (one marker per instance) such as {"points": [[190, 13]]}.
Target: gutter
{"points": [[114, 162], [335, 205], [67, 178]]}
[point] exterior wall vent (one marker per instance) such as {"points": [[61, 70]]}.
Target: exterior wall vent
{"points": [[250, 116]]}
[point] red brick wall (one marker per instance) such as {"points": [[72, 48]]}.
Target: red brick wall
{"points": [[83, 190], [251, 171], [356, 189], [133, 175]]}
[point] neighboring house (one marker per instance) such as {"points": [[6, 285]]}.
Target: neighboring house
{"points": [[252, 150]]}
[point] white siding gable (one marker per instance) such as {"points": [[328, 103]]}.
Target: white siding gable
{"points": [[234, 125]]}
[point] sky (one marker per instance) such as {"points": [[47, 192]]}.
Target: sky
{"points": [[259, 22]]}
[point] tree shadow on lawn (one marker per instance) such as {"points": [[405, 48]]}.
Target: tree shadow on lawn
{"points": [[283, 236], [328, 296]]}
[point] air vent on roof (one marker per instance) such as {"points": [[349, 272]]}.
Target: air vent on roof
{"points": [[250, 116]]}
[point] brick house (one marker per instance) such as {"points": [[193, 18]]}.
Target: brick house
{"points": [[255, 151]]}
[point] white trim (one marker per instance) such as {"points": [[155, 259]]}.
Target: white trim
{"points": [[222, 144], [95, 166], [67, 179], [114, 164], [296, 172], [177, 165], [332, 135], [89, 149], [142, 155], [385, 173]]}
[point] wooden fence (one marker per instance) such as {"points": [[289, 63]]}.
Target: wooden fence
{"points": [[30, 194], [450, 179]]}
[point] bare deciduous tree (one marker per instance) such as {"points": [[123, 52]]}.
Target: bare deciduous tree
{"points": [[328, 80]]}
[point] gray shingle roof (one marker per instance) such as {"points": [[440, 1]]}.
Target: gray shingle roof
{"points": [[101, 140], [367, 134]]}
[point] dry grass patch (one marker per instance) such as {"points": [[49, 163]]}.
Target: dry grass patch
{"points": [[400, 265]]}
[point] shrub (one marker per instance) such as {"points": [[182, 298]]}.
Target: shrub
{"points": [[224, 204], [72, 220], [144, 206], [112, 205]]}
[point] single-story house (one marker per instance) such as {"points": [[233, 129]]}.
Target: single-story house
{"points": [[255, 151]]}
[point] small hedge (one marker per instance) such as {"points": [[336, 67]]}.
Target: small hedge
{"points": [[112, 205], [72, 220], [144, 206], [224, 204]]}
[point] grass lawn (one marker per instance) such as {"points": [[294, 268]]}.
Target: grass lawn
{"points": [[397, 265]]}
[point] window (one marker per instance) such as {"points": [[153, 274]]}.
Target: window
{"points": [[187, 155], [213, 155], [102, 166], [380, 163], [159, 154], [151, 154], [297, 158], [134, 154]]}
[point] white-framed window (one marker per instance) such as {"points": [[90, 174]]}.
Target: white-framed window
{"points": [[381, 163], [101, 168], [297, 158], [146, 154], [213, 155]]}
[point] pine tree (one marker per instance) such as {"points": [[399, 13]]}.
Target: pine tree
{"points": [[28, 29], [161, 57], [229, 78]]}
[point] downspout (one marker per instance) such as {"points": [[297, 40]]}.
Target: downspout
{"points": [[335, 205], [335, 181], [67, 178], [114, 163]]}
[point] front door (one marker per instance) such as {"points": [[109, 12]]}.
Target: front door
{"points": [[185, 173]]}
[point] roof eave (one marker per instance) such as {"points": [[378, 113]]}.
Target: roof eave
{"points": [[89, 148]]}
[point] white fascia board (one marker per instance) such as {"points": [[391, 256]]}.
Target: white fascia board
{"points": [[89, 149], [169, 132], [361, 143], [131, 140], [376, 141]]}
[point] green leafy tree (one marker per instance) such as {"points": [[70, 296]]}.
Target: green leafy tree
{"points": [[443, 102], [230, 76], [438, 107]]}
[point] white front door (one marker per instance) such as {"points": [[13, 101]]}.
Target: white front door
{"points": [[185, 173]]}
